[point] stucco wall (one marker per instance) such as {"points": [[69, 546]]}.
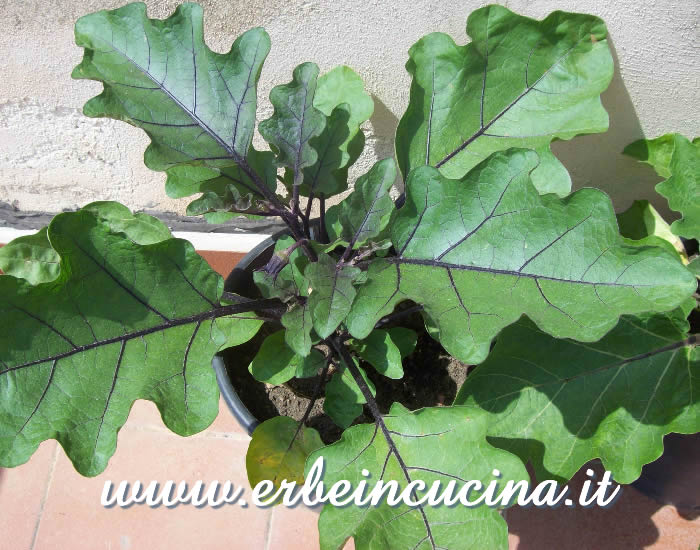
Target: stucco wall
{"points": [[51, 157]]}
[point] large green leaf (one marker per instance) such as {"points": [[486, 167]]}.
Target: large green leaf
{"points": [[197, 106], [121, 322], [295, 121], [519, 83], [480, 252], [446, 444], [677, 159], [561, 403], [331, 294], [32, 257]]}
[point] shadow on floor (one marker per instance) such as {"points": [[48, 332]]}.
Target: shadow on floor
{"points": [[627, 524]]}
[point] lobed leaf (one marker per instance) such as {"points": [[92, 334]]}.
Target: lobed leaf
{"points": [[560, 403], [478, 253], [197, 106], [73, 361], [519, 83], [678, 159], [295, 121], [446, 444], [365, 212]]}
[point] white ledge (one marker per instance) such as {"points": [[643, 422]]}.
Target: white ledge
{"points": [[213, 242]]}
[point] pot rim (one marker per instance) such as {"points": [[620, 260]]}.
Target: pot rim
{"points": [[238, 409]]}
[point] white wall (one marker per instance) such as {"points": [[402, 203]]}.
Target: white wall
{"points": [[51, 157]]}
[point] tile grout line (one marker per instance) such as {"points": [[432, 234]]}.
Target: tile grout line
{"points": [[268, 534], [35, 536]]}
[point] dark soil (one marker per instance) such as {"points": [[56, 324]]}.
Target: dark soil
{"points": [[431, 378]]}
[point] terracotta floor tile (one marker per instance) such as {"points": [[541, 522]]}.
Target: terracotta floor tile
{"points": [[144, 414], [221, 262], [22, 493], [73, 517]]}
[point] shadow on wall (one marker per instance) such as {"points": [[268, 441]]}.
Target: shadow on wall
{"points": [[381, 138], [596, 160]]}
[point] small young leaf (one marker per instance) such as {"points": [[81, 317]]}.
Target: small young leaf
{"points": [[366, 211], [278, 451], [405, 339], [298, 325], [311, 364], [332, 293], [344, 398], [295, 120], [341, 96], [379, 350], [275, 363]]}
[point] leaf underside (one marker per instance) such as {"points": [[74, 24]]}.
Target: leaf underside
{"points": [[73, 361]]}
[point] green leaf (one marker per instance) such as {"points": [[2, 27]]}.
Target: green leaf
{"points": [[197, 106], [641, 220], [518, 83], [298, 325], [275, 363], [656, 152], [366, 211], [560, 403], [76, 352], [344, 399], [480, 252], [290, 281], [278, 451], [311, 364], [332, 293], [340, 95], [694, 267], [379, 350], [677, 159], [405, 339], [295, 121], [445, 444], [32, 257]]}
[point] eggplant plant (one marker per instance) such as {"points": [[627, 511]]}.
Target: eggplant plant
{"points": [[577, 324]]}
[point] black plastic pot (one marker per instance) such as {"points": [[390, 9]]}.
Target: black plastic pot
{"points": [[240, 281]]}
